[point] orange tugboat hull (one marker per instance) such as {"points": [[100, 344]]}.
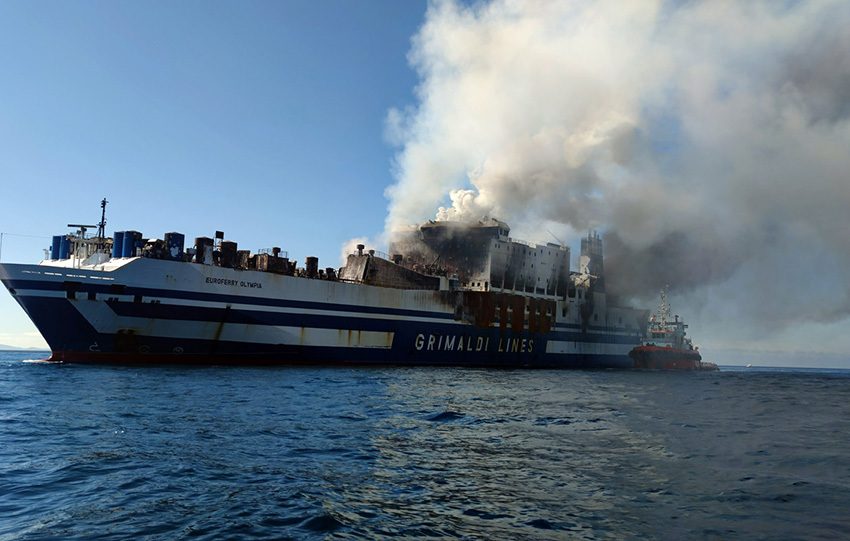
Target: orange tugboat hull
{"points": [[665, 358]]}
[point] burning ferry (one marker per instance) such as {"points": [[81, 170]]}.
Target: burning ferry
{"points": [[455, 294]]}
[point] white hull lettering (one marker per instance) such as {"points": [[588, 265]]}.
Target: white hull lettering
{"points": [[439, 342]]}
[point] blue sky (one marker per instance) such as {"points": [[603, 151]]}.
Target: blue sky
{"points": [[263, 119]]}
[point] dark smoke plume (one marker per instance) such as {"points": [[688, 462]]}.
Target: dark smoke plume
{"points": [[710, 141]]}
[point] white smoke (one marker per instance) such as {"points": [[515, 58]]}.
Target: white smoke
{"points": [[466, 207], [350, 247], [709, 140]]}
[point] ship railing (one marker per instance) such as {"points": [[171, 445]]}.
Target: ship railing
{"points": [[388, 286], [376, 253], [524, 242]]}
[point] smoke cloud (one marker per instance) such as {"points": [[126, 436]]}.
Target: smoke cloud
{"points": [[709, 141]]}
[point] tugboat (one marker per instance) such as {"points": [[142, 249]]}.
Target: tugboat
{"points": [[665, 346]]}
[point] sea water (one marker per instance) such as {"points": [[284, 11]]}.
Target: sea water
{"points": [[112, 452]]}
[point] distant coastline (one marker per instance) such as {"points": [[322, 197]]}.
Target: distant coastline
{"points": [[5, 347]]}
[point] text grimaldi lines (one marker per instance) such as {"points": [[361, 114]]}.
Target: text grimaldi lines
{"points": [[452, 342]]}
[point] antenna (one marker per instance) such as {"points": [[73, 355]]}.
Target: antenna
{"points": [[664, 306], [556, 238], [101, 227]]}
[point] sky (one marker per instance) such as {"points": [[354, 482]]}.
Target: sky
{"points": [[707, 141]]}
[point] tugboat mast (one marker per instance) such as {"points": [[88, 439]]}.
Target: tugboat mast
{"points": [[664, 307]]}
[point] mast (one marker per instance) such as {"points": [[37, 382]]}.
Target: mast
{"points": [[664, 307], [101, 227]]}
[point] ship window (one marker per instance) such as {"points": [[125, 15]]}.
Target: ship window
{"points": [[620, 321], [92, 296], [564, 311], [595, 317]]}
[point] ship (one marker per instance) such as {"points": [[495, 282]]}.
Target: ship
{"points": [[666, 345], [450, 294]]}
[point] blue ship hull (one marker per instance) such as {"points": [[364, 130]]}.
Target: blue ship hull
{"points": [[147, 311]]}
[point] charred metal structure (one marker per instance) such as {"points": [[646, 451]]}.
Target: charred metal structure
{"points": [[481, 256]]}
